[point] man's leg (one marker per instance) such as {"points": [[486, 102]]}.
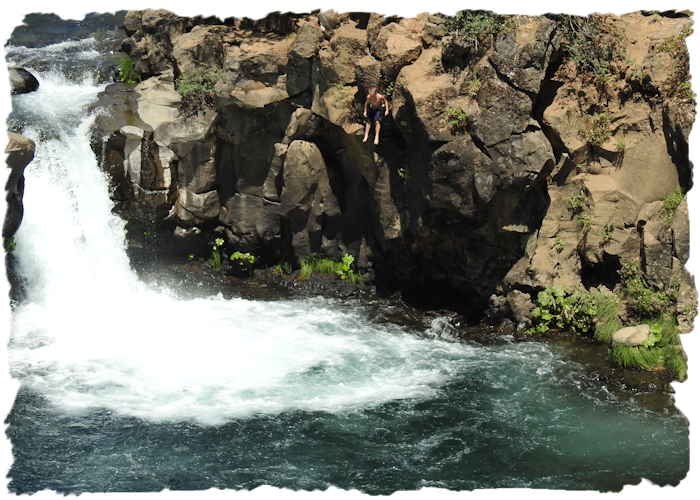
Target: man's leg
{"points": [[377, 128], [369, 124]]}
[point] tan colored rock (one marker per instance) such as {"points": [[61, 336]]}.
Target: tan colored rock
{"points": [[632, 336], [396, 46], [204, 44]]}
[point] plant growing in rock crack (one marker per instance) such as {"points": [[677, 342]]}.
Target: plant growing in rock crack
{"points": [[404, 173], [607, 231], [245, 261], [558, 243], [596, 128], [671, 202], [577, 201], [458, 119], [471, 87], [216, 254], [584, 220], [621, 144], [196, 86]]}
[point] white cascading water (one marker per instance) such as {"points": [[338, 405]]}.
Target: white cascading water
{"points": [[91, 335]]}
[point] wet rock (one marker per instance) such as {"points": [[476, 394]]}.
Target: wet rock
{"points": [[20, 152], [22, 81]]}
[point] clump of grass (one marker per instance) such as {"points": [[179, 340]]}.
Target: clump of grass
{"points": [[637, 357], [331, 268], [662, 350], [607, 318], [283, 268]]}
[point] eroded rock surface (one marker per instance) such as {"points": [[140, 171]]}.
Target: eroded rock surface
{"points": [[485, 188]]}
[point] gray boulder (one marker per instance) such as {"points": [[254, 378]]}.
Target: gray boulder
{"points": [[22, 81]]}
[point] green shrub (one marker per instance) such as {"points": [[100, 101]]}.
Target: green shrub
{"points": [[473, 25], [675, 44], [563, 309], [671, 202], [621, 144], [196, 86], [127, 71], [593, 43], [596, 129], [330, 267], [641, 298]]}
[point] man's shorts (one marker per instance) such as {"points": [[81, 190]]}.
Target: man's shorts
{"points": [[375, 114]]}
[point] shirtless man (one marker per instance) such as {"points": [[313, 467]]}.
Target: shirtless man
{"points": [[376, 108]]}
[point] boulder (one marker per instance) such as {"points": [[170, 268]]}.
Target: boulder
{"points": [[251, 222], [521, 307], [632, 336], [396, 47], [191, 208], [20, 151], [22, 81]]}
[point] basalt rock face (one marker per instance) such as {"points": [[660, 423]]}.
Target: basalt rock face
{"points": [[468, 194]]}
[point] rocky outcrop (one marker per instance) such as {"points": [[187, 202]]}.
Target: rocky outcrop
{"points": [[22, 81], [20, 151], [488, 184]]}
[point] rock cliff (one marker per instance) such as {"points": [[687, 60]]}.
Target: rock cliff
{"points": [[536, 152]]}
